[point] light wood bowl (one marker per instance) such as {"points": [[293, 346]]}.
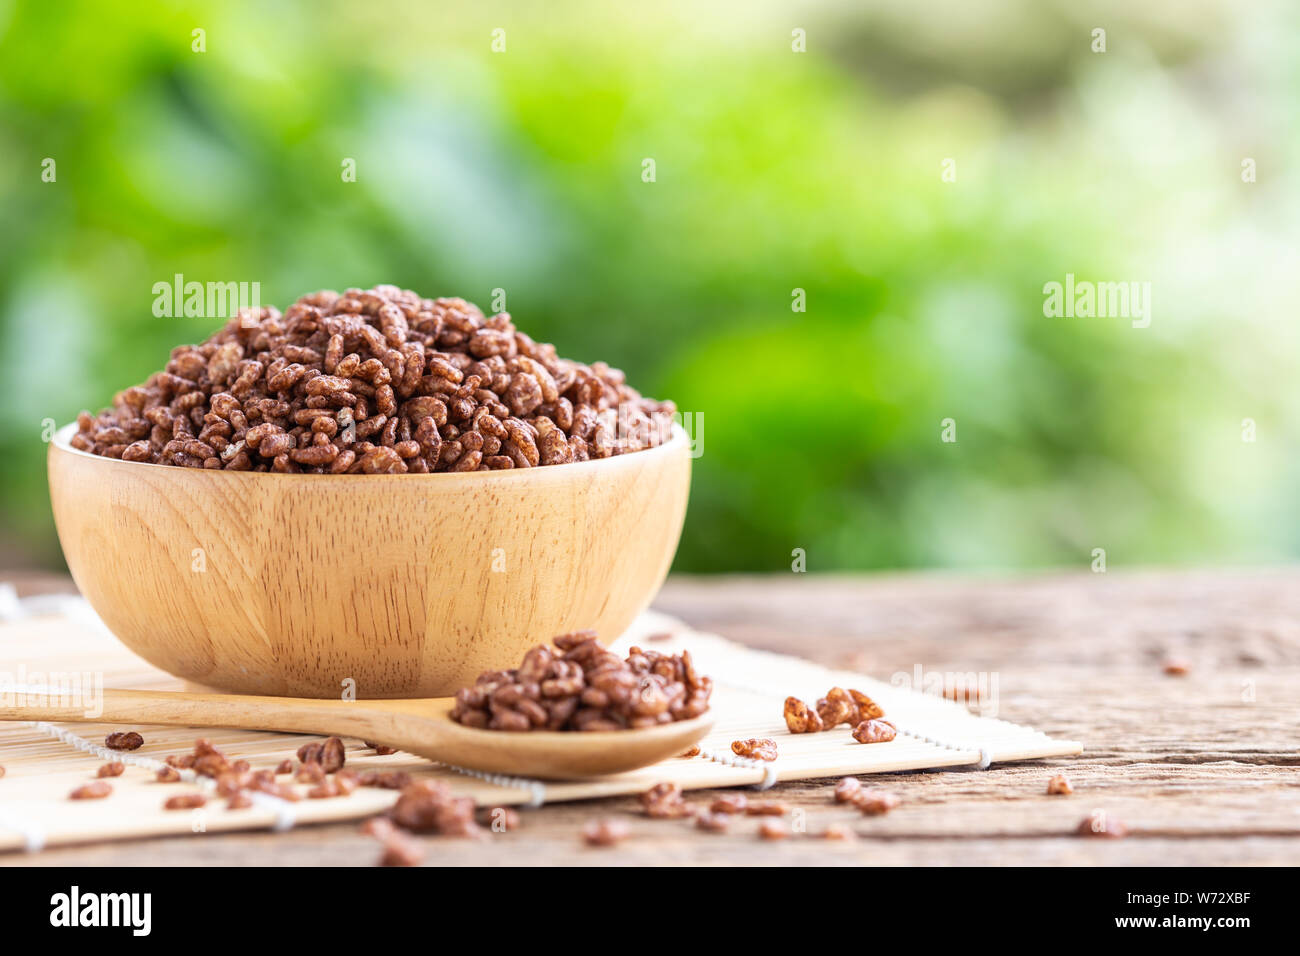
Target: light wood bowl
{"points": [[382, 585]]}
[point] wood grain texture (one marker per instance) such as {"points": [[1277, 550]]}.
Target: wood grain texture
{"points": [[1201, 775], [421, 727], [408, 585], [43, 763]]}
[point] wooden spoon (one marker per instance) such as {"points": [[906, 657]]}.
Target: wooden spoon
{"points": [[420, 727]]}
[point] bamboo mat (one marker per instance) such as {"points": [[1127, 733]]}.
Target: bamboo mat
{"points": [[44, 762]]}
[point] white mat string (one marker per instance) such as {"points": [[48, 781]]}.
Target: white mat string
{"points": [[769, 770], [285, 810], [33, 834], [734, 760], [74, 606], [986, 755], [536, 788]]}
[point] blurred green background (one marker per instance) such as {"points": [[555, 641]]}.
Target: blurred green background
{"points": [[775, 170]]}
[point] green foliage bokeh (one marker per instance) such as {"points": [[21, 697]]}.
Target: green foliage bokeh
{"points": [[775, 171]]}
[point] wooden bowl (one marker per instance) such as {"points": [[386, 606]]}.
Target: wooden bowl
{"points": [[378, 585]]}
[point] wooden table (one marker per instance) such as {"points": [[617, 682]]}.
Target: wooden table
{"points": [[1201, 767]]}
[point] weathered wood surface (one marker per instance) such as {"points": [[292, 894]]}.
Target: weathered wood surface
{"points": [[1203, 768]]}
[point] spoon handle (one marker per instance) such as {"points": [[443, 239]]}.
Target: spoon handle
{"points": [[292, 714], [421, 727]]}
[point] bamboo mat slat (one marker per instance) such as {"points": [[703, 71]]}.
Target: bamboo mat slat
{"points": [[751, 686]]}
